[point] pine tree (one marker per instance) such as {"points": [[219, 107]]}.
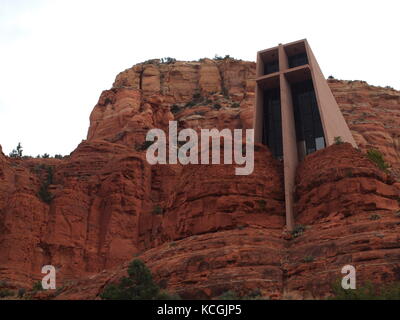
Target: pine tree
{"points": [[139, 285], [16, 153], [19, 149]]}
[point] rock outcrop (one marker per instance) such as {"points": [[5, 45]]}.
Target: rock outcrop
{"points": [[348, 209], [373, 116], [207, 94], [201, 229]]}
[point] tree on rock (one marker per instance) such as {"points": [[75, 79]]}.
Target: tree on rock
{"points": [[139, 285], [17, 153]]}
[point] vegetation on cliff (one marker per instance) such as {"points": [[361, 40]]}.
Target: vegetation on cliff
{"points": [[367, 291], [139, 285]]}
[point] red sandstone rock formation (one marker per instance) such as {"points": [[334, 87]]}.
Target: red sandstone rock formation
{"points": [[215, 231], [373, 116], [349, 209]]}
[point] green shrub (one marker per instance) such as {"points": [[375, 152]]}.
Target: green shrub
{"points": [[3, 283], [197, 96], [231, 295], [167, 60], [338, 140], [298, 231], [253, 295], [139, 285], [158, 210], [190, 104], [216, 106], [164, 295], [37, 286], [235, 105], [19, 149], [217, 57], [175, 109], [5, 293], [376, 157], [44, 193], [17, 152], [308, 259], [374, 217], [367, 291], [228, 295]]}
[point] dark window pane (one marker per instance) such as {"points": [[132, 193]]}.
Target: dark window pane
{"points": [[271, 67], [298, 60], [307, 117], [272, 122]]}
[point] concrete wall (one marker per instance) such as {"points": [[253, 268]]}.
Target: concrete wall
{"points": [[332, 119]]}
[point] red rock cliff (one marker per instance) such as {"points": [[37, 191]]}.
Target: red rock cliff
{"points": [[201, 229]]}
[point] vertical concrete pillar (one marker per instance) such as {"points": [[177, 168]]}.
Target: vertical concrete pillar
{"points": [[259, 102], [290, 157], [258, 115], [283, 59]]}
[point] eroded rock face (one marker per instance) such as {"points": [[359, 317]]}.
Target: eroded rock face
{"points": [[204, 266], [76, 231], [208, 94], [349, 209], [339, 181], [201, 229], [373, 115]]}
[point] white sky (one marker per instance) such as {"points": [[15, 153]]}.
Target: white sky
{"points": [[57, 56]]}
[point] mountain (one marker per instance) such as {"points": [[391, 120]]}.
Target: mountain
{"points": [[201, 229]]}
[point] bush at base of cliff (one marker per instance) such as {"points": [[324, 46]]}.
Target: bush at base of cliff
{"points": [[139, 285], [4, 291], [232, 295], [368, 291], [37, 286]]}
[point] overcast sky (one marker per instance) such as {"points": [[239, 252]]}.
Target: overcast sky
{"points": [[57, 56]]}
